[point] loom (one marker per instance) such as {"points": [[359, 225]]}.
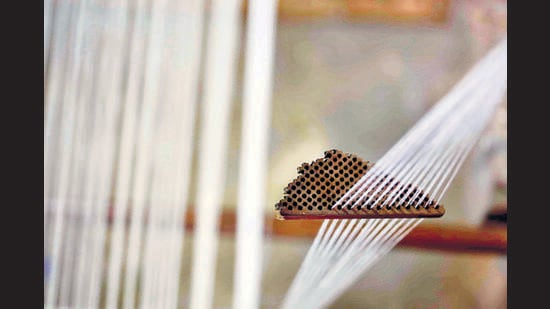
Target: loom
{"points": [[125, 82], [429, 156]]}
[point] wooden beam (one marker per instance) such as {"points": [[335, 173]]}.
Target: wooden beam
{"points": [[491, 239], [454, 238], [401, 11]]}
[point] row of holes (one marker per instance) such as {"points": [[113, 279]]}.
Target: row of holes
{"points": [[325, 167], [319, 190], [359, 207], [333, 196]]}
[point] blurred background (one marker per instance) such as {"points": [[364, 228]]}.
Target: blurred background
{"points": [[353, 75]]}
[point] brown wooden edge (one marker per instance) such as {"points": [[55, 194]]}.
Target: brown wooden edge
{"points": [[455, 238], [452, 238]]}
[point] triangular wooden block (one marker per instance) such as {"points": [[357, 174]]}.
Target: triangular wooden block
{"points": [[321, 184]]}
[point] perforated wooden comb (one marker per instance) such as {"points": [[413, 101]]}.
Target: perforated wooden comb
{"points": [[321, 183]]}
